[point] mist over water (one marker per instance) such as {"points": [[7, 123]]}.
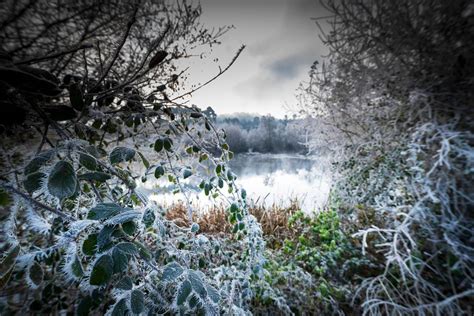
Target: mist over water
{"points": [[268, 179]]}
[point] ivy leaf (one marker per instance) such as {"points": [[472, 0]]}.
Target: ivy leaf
{"points": [[104, 211], [137, 301], [183, 292], [171, 272], [102, 270], [120, 154], [87, 161], [62, 181], [33, 181]]}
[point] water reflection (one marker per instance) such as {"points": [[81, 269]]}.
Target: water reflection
{"points": [[267, 179]]}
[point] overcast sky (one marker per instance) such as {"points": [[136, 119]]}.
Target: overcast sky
{"points": [[282, 43]]}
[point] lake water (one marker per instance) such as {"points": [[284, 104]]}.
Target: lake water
{"points": [[268, 179]]}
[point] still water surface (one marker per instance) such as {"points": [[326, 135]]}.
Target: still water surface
{"points": [[268, 179]]}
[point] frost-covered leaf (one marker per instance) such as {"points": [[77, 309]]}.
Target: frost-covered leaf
{"points": [[83, 308], [143, 251], [128, 248], [104, 235], [36, 163], [137, 301], [120, 260], [123, 217], [171, 271], [88, 161], [89, 246], [148, 218], [197, 284], [120, 308], [183, 292], [102, 270], [125, 283], [62, 181], [194, 227], [95, 176], [33, 181], [213, 293], [129, 228], [158, 144], [76, 267], [120, 154], [104, 211], [35, 275]]}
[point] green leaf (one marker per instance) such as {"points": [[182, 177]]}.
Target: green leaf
{"points": [[203, 157], [36, 273], [84, 307], [234, 208], [218, 169], [183, 292], [89, 246], [143, 251], [36, 163], [62, 181], [104, 236], [230, 176], [194, 227], [187, 173], [243, 194], [168, 143], [104, 211], [120, 308], [33, 181], [220, 183], [159, 144], [129, 227], [137, 301], [120, 154], [125, 283], [159, 171], [146, 163], [102, 270], [225, 146], [120, 260], [5, 198], [95, 176], [171, 271], [87, 161], [127, 248], [76, 267]]}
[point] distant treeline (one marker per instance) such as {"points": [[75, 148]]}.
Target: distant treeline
{"points": [[264, 134]]}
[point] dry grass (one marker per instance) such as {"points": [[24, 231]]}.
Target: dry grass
{"points": [[274, 220]]}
